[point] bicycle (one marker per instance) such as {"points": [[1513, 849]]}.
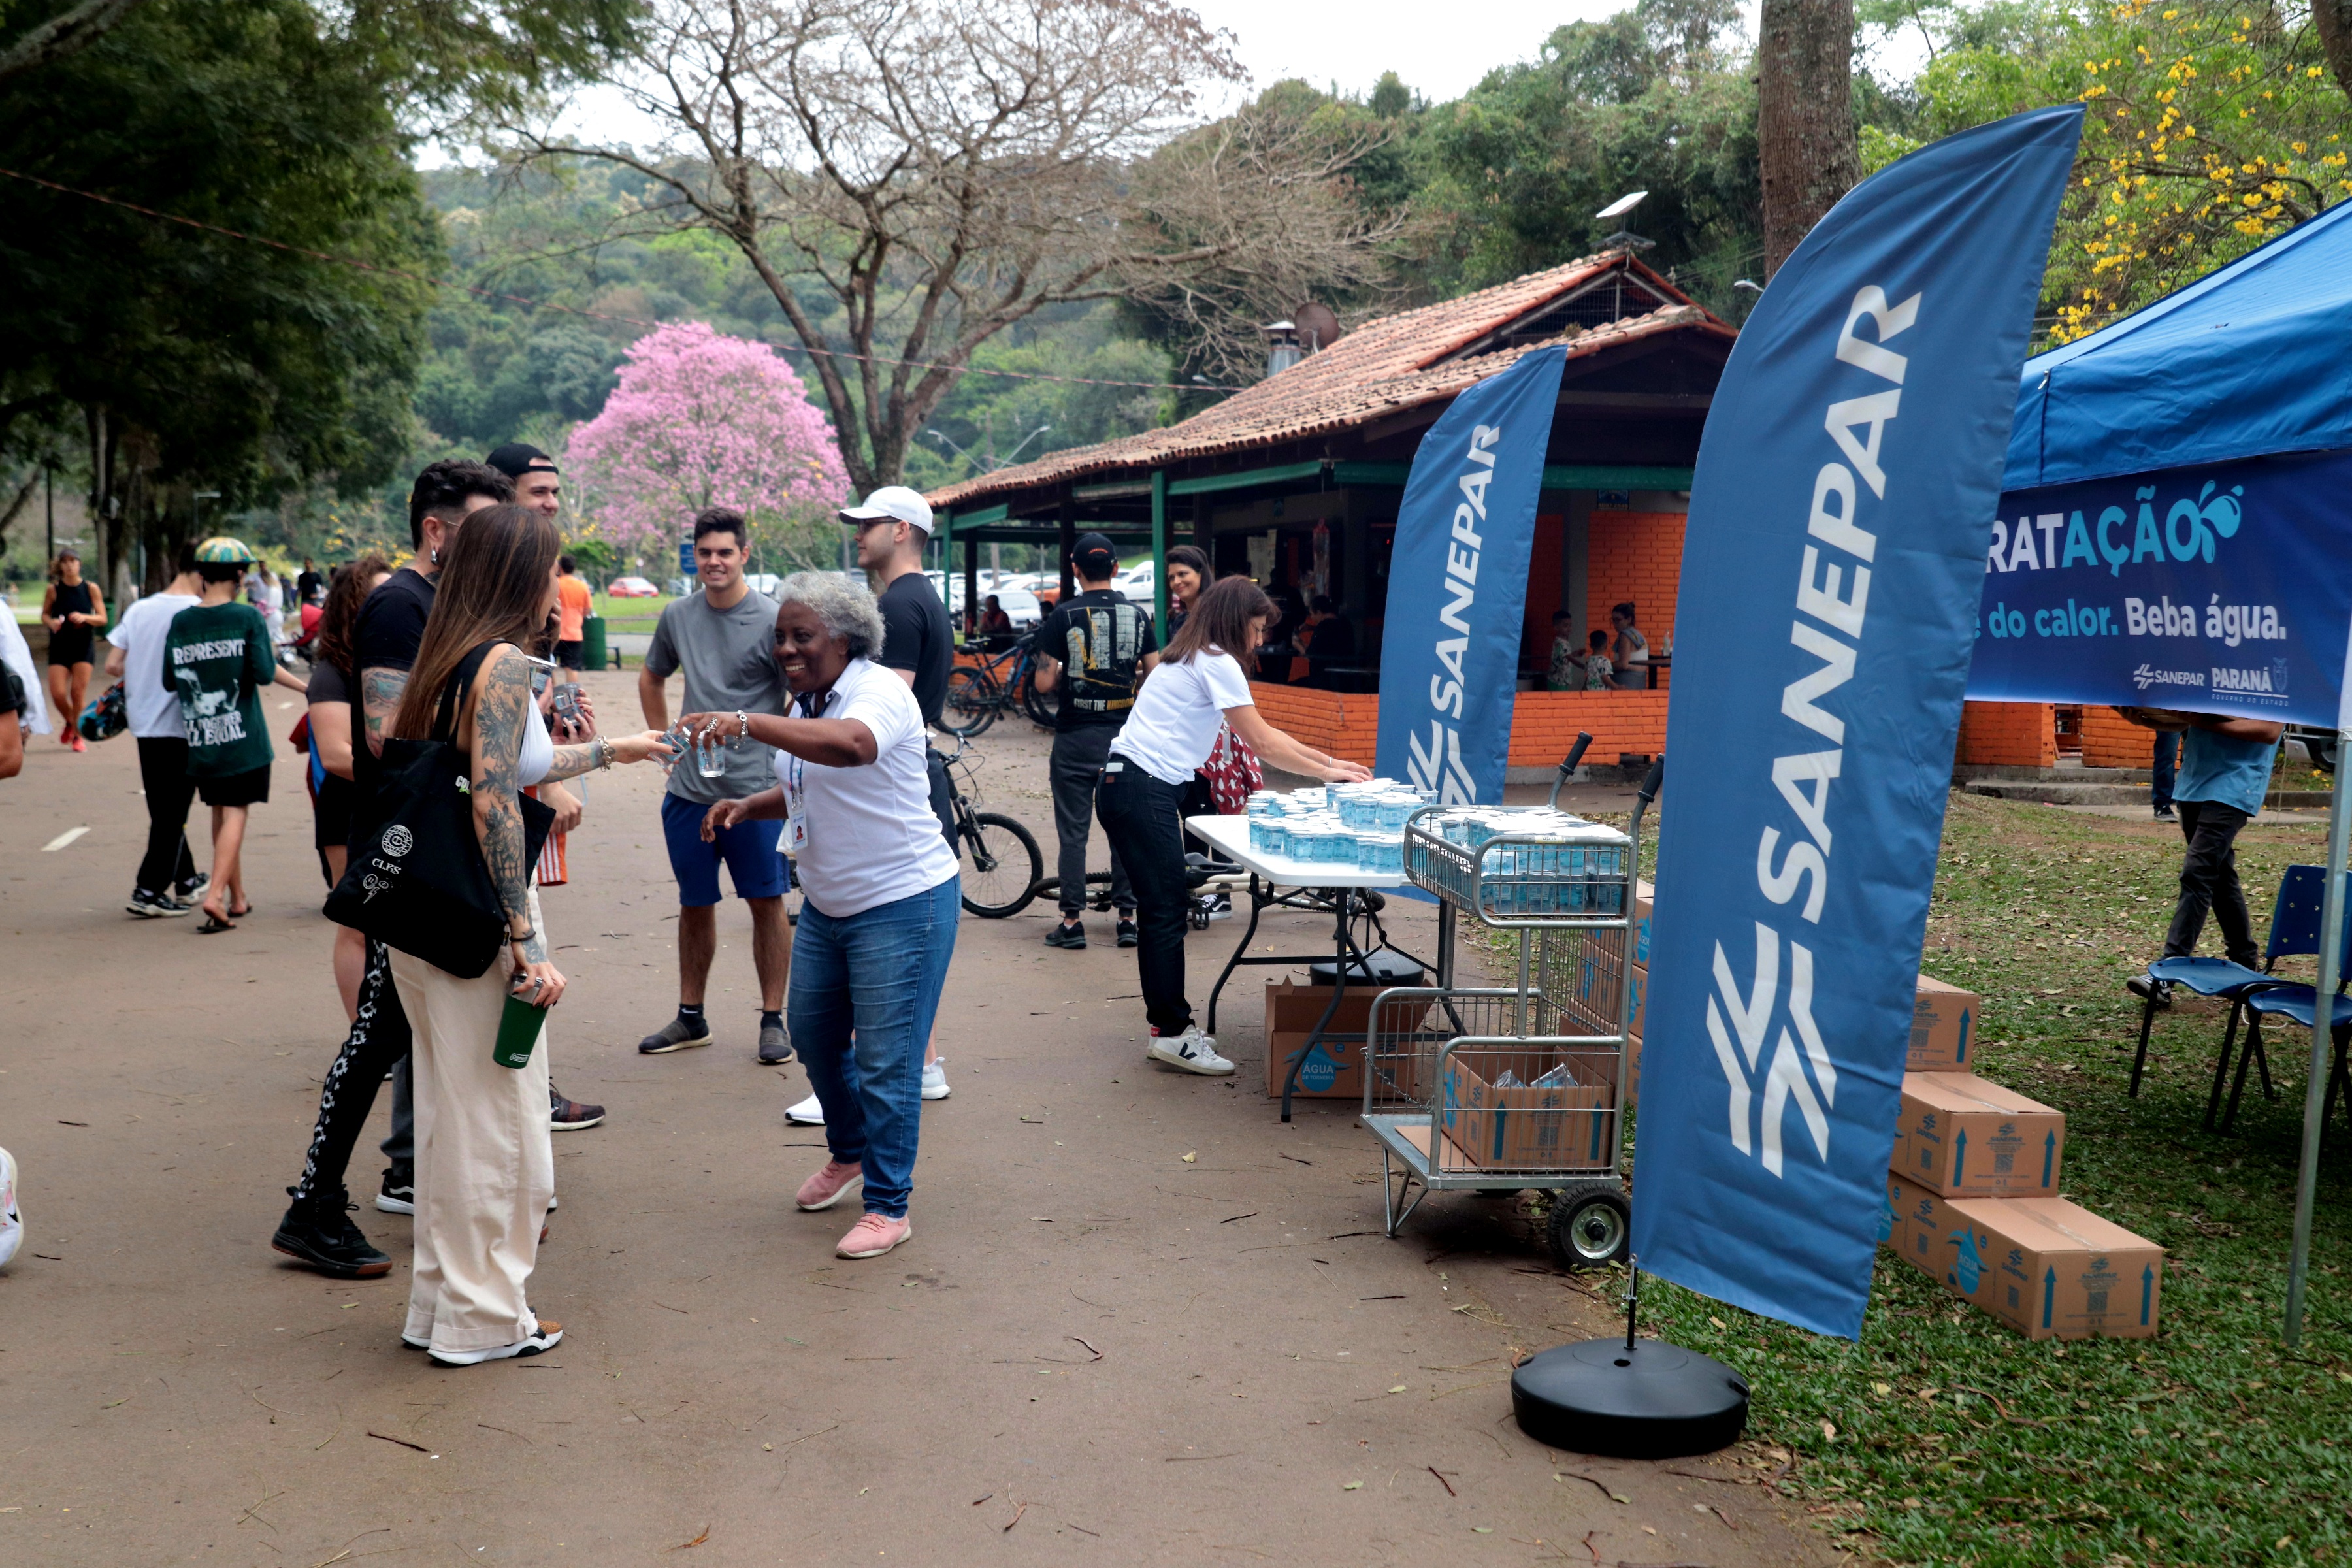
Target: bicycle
{"points": [[998, 858], [977, 693]]}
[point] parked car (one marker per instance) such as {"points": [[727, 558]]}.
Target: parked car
{"points": [[633, 588], [1019, 604], [763, 582], [1139, 584]]}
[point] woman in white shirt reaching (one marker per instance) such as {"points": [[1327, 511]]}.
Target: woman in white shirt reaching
{"points": [[878, 924], [1196, 688]]}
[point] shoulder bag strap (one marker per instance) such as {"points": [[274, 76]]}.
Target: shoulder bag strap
{"points": [[445, 717]]}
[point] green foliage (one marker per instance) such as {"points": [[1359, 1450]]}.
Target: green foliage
{"points": [[2212, 127]]}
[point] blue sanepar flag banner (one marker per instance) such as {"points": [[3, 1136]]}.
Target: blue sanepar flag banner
{"points": [[2209, 590], [1458, 584], [1837, 535]]}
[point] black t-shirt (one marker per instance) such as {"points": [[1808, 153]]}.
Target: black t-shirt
{"points": [[1100, 638], [389, 630], [917, 637]]}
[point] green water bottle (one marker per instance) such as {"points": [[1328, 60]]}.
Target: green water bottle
{"points": [[519, 1029]]}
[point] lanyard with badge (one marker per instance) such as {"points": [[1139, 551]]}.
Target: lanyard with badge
{"points": [[795, 801]]}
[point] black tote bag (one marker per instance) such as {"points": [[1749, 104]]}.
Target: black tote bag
{"points": [[419, 883]]}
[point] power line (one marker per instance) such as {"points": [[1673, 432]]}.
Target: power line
{"points": [[573, 309]]}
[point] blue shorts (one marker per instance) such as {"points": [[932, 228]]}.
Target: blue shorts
{"points": [[754, 864]]}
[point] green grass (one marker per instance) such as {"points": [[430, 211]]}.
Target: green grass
{"points": [[630, 615], [1942, 1437]]}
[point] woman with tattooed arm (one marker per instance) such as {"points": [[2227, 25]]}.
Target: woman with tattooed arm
{"points": [[484, 1167]]}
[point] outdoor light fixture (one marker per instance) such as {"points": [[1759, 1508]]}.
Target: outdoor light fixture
{"points": [[1624, 238]]}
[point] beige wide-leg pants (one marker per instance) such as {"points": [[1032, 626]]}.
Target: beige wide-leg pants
{"points": [[485, 1169]]}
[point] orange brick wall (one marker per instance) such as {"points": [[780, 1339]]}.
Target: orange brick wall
{"points": [[2111, 741], [1635, 555], [2015, 734], [1544, 724]]}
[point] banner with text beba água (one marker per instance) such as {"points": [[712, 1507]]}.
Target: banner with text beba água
{"points": [[2215, 590]]}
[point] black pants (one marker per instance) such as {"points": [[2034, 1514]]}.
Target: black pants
{"points": [[1079, 757], [163, 775], [379, 1039], [2208, 880], [1140, 816]]}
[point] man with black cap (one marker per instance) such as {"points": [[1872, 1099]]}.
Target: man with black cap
{"points": [[1095, 647], [540, 486]]}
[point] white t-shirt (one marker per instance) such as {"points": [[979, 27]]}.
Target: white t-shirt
{"points": [[1173, 725], [18, 655], [872, 836], [154, 707]]}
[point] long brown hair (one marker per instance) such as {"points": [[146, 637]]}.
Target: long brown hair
{"points": [[492, 586], [1220, 618], [339, 617]]}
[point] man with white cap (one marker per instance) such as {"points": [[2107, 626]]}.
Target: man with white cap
{"points": [[894, 527]]}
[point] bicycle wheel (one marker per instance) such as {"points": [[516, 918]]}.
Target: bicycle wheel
{"points": [[1001, 864], [972, 703], [1036, 703]]}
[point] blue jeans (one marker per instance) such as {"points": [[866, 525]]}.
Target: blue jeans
{"points": [[2167, 766], [865, 991]]}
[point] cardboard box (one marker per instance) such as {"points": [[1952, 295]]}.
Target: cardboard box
{"points": [[1943, 1026], [1566, 1127], [1962, 1136], [1334, 1069], [1643, 893], [2047, 1268]]}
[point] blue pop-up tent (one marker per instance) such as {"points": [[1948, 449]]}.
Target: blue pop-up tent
{"points": [[2175, 530]]}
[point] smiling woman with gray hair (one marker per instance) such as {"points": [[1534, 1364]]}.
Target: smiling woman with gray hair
{"points": [[870, 954]]}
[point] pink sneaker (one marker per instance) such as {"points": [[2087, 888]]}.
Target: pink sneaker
{"points": [[872, 1236], [824, 1190]]}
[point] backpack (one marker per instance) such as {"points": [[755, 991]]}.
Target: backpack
{"points": [[1102, 656]]}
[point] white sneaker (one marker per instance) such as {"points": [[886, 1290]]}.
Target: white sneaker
{"points": [[1192, 1051], [807, 1113], [11, 1224], [935, 1079], [550, 1334]]}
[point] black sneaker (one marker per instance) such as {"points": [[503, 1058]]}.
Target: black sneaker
{"points": [[569, 1115], [192, 891], [318, 1231], [2150, 990], [398, 1192], [150, 906], [775, 1044], [1128, 935], [2165, 813], [1069, 936]]}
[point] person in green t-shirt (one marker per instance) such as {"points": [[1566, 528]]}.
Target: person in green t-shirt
{"points": [[219, 657]]}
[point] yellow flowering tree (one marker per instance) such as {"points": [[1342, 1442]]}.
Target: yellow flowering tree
{"points": [[2212, 127]]}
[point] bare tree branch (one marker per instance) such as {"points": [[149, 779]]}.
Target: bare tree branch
{"points": [[910, 178], [66, 32]]}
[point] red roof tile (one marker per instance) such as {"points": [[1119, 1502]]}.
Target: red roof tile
{"points": [[1385, 367]]}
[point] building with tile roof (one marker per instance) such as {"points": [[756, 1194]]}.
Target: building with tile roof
{"points": [[1297, 480]]}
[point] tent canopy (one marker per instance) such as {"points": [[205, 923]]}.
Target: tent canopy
{"points": [[2251, 359]]}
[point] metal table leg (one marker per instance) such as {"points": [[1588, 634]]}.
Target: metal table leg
{"points": [[1348, 957], [1259, 895]]}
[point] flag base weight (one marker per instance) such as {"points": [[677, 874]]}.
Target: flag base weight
{"points": [[1649, 1400], [1629, 1398]]}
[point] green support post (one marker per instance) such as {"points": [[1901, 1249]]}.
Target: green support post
{"points": [[1160, 552]]}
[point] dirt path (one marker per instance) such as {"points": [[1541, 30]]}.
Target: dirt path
{"points": [[1095, 1347]]}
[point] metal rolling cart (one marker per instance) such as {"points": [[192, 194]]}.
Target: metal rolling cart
{"points": [[1474, 1088]]}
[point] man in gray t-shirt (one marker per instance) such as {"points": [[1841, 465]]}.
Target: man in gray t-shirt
{"points": [[724, 639]]}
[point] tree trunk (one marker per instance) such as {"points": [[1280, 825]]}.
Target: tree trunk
{"points": [[1804, 117], [2334, 19]]}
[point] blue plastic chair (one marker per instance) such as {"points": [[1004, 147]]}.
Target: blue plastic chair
{"points": [[2294, 931], [2294, 1002]]}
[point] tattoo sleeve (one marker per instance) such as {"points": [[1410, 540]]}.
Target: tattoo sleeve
{"points": [[498, 721], [379, 692], [570, 761]]}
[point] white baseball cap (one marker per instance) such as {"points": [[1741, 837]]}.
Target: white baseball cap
{"points": [[907, 506]]}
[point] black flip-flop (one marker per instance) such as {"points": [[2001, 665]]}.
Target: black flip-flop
{"points": [[213, 925]]}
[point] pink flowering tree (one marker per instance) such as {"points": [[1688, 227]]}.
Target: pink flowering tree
{"points": [[702, 419]]}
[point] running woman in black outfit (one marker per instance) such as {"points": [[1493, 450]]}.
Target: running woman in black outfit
{"points": [[71, 609]]}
